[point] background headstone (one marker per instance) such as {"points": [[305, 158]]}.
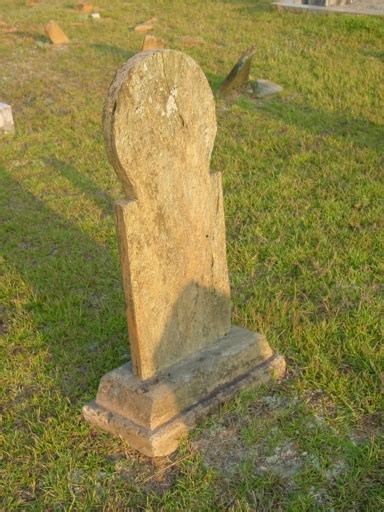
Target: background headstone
{"points": [[55, 33], [239, 74], [190, 41], [84, 7], [6, 119], [152, 43], [147, 26]]}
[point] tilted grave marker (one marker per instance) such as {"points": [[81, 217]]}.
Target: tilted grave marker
{"points": [[159, 126], [239, 75]]}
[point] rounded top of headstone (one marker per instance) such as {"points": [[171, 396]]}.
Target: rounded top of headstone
{"points": [[158, 120]]}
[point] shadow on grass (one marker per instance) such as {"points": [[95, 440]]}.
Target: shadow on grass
{"points": [[359, 132], [114, 51], [76, 303], [82, 182], [215, 81], [377, 54], [36, 36], [251, 6]]}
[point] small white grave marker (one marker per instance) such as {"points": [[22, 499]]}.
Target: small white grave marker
{"points": [[6, 119]]}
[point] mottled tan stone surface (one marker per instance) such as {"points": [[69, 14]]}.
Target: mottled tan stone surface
{"points": [[159, 127]]}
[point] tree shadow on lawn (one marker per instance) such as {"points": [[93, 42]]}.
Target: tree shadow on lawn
{"points": [[377, 54], [76, 303], [114, 51], [359, 132], [36, 37], [251, 6], [82, 182]]}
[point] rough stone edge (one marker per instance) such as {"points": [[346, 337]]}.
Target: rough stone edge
{"points": [[316, 9], [165, 439]]}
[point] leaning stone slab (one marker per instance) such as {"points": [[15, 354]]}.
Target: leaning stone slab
{"points": [[6, 119], [263, 88], [159, 127], [239, 74], [55, 33]]}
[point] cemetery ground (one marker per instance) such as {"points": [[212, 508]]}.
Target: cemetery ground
{"points": [[302, 175]]}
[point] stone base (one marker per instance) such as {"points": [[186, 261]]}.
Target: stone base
{"points": [[326, 3], [332, 7], [263, 88], [154, 414]]}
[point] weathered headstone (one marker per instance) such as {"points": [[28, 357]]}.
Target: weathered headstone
{"points": [[159, 127], [190, 41], [144, 27], [4, 27], [239, 74], [55, 33], [84, 7], [152, 43], [147, 26], [6, 119]]}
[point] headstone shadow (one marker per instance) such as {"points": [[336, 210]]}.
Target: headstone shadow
{"points": [[113, 51], [82, 182], [358, 131], [76, 303]]}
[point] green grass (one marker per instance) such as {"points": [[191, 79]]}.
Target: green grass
{"points": [[303, 189]]}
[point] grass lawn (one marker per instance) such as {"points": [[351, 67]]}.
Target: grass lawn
{"points": [[303, 195]]}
